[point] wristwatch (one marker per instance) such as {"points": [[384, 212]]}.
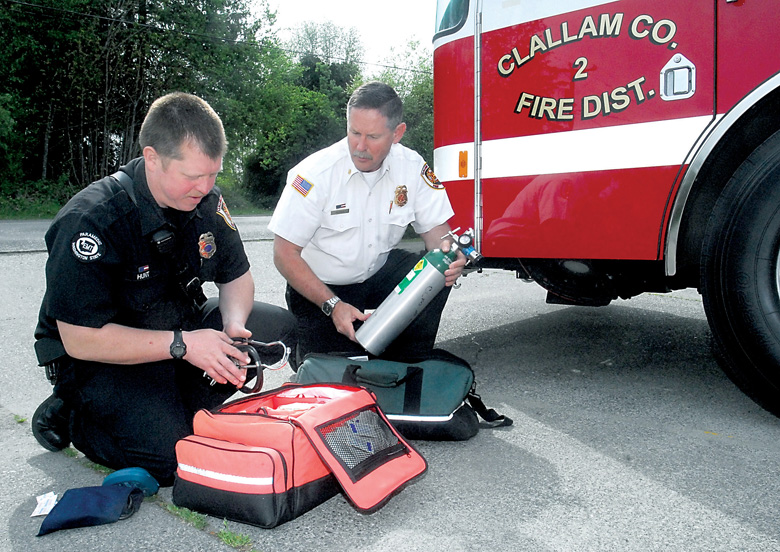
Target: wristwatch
{"points": [[178, 347], [327, 306]]}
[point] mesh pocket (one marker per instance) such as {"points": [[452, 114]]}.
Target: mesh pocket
{"points": [[361, 442]]}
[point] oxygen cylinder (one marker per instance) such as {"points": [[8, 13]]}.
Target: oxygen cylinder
{"points": [[409, 298]]}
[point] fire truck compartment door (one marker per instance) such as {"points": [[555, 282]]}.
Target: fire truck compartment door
{"points": [[589, 110]]}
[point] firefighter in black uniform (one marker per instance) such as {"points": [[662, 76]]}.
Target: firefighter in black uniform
{"points": [[125, 327]]}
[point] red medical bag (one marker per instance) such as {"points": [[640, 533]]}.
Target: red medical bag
{"points": [[265, 459]]}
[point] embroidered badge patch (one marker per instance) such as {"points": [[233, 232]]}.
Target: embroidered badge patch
{"points": [[401, 196], [222, 211], [430, 178], [206, 245], [87, 247], [302, 185]]}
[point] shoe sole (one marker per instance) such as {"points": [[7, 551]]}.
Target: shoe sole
{"points": [[37, 434]]}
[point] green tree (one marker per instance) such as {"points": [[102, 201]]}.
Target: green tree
{"points": [[10, 158], [84, 72], [306, 110], [81, 74], [305, 123], [330, 59], [411, 74], [326, 41]]}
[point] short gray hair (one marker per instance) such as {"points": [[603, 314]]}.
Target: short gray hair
{"points": [[380, 96]]}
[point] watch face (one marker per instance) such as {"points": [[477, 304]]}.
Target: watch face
{"points": [[178, 347], [327, 306]]}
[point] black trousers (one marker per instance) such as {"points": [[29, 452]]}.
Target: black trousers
{"points": [[126, 416], [317, 334]]}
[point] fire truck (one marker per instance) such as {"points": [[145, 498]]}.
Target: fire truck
{"points": [[607, 148]]}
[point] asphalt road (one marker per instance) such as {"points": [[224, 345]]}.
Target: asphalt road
{"points": [[627, 435]]}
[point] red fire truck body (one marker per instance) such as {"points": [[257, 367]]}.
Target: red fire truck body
{"points": [[609, 148]]}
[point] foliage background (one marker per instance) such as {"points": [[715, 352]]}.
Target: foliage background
{"points": [[79, 75]]}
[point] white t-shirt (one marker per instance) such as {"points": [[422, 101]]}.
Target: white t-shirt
{"points": [[346, 227]]}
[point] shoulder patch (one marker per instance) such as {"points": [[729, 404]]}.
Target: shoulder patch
{"points": [[222, 211], [302, 185], [87, 247], [430, 178]]}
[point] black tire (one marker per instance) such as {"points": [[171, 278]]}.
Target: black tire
{"points": [[741, 276]]}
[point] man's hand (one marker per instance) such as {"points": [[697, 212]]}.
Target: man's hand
{"points": [[209, 350], [455, 270], [236, 330], [437, 238], [344, 316]]}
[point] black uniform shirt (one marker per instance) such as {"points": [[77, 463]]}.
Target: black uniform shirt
{"points": [[103, 267]]}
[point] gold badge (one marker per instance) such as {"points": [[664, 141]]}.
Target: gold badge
{"points": [[206, 245], [401, 196]]}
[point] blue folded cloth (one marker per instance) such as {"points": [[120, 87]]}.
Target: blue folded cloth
{"points": [[88, 506], [119, 497]]}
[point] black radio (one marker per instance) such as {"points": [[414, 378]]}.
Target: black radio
{"points": [[164, 240]]}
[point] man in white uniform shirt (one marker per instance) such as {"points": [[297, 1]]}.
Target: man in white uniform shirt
{"points": [[342, 213]]}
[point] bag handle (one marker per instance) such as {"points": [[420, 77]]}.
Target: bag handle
{"points": [[357, 375], [491, 417]]}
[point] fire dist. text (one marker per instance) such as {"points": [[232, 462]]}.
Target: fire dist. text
{"points": [[562, 109]]}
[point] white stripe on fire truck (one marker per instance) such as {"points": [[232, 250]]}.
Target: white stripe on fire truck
{"points": [[226, 477], [524, 12], [655, 144]]}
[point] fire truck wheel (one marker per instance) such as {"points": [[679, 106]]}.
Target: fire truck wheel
{"points": [[741, 276]]}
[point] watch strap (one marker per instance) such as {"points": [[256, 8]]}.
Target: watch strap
{"points": [[329, 305]]}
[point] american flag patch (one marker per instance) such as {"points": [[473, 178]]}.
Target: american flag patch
{"points": [[143, 273], [302, 185]]}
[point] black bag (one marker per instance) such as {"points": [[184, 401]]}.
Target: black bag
{"points": [[431, 399]]}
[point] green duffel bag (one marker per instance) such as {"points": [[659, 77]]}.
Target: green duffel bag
{"points": [[431, 399]]}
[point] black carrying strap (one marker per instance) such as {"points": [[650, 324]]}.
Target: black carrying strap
{"points": [[354, 374], [126, 182], [491, 417]]}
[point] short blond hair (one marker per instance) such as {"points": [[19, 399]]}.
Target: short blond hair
{"points": [[178, 118]]}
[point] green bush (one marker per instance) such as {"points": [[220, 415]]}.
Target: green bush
{"points": [[37, 199]]}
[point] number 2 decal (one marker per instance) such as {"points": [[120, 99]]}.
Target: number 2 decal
{"points": [[581, 74]]}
